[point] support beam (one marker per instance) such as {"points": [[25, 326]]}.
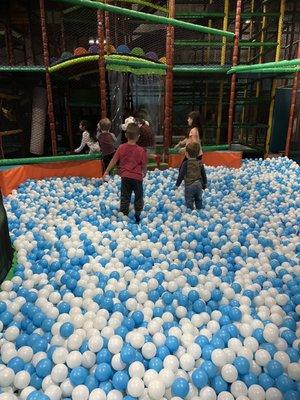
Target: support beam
{"points": [[235, 57], [284, 63], [296, 84], [168, 117], [223, 60], [277, 58], [101, 64], [48, 78], [147, 17]]}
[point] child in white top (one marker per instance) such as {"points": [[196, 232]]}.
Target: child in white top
{"points": [[88, 139]]}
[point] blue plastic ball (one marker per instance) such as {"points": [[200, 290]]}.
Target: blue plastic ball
{"points": [[180, 388]]}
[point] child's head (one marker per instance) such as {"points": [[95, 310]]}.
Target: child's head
{"points": [[192, 150], [105, 125], [84, 125], [194, 119], [132, 132]]}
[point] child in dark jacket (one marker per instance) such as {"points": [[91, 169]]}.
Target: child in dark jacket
{"points": [[193, 173]]}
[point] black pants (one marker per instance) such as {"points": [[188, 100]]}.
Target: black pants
{"points": [[107, 159], [128, 186]]}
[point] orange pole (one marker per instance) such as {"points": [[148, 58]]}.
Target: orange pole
{"points": [[101, 64], [296, 83], [169, 79], [48, 78], [235, 57]]}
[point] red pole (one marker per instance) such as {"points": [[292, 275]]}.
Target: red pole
{"points": [[296, 83], [169, 79], [62, 34], [107, 28], [48, 78], [101, 63], [235, 57]]}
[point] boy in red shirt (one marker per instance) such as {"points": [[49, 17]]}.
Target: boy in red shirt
{"points": [[133, 167]]}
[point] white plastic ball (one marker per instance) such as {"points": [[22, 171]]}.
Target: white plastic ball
{"points": [[238, 388], [136, 369], [262, 357], [229, 373], [80, 392], [97, 394], [256, 392], [135, 387], [21, 380], [59, 373], [156, 389]]}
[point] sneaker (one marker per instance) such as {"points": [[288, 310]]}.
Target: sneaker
{"points": [[137, 219]]}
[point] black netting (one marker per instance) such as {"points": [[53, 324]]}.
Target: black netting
{"points": [[72, 35], [6, 251]]}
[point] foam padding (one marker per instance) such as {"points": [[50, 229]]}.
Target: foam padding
{"points": [[229, 159], [10, 179]]}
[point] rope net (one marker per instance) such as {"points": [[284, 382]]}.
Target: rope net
{"points": [[135, 57]]}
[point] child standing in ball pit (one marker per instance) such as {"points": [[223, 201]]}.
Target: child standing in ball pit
{"points": [[193, 173], [107, 141], [88, 139], [133, 167]]}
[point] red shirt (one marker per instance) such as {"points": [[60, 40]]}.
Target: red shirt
{"points": [[132, 160]]}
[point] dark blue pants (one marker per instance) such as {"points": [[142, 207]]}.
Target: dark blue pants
{"points": [[193, 196], [127, 187]]}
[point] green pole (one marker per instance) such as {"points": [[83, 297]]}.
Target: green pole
{"points": [[147, 17], [7, 68], [197, 70], [275, 64], [270, 71]]}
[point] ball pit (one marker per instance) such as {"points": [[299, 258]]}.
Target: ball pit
{"points": [[188, 304]]}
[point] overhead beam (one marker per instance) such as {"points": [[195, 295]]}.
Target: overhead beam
{"points": [[147, 17]]}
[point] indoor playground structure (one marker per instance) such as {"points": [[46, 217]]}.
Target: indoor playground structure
{"points": [[187, 304]]}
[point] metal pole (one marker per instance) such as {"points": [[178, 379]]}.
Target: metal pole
{"points": [[234, 63], [147, 17], [62, 34], [69, 117], [169, 79], [277, 58], [296, 83], [48, 78], [223, 59], [9, 39], [101, 64], [260, 60]]}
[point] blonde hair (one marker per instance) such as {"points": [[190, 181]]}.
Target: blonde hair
{"points": [[105, 125]]}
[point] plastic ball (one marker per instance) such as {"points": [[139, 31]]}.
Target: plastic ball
{"points": [[135, 387], [229, 373], [156, 389], [180, 387]]}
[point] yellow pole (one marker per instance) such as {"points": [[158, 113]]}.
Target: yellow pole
{"points": [[209, 36], [260, 60], [223, 59], [246, 89], [277, 58], [207, 61]]}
